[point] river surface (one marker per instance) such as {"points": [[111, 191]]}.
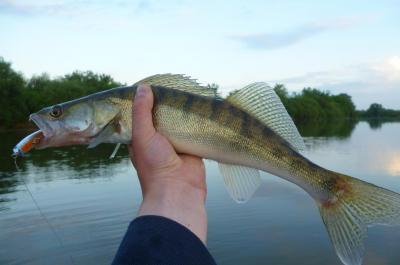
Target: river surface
{"points": [[73, 205]]}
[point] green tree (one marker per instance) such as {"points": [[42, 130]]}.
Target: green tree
{"points": [[19, 97], [346, 104], [13, 108], [43, 91], [281, 91], [375, 110], [312, 105]]}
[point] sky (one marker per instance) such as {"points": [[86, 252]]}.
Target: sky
{"points": [[347, 46]]}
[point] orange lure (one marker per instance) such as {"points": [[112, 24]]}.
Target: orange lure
{"points": [[26, 144]]}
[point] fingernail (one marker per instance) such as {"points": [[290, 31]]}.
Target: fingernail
{"points": [[141, 91]]}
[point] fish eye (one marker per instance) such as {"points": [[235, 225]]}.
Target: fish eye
{"points": [[56, 111]]}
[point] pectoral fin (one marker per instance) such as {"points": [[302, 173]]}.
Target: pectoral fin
{"points": [[113, 127], [117, 146], [241, 182]]}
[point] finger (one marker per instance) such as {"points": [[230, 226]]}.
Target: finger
{"points": [[192, 160], [142, 118]]}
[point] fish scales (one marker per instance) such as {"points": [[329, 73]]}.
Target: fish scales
{"points": [[213, 128]]}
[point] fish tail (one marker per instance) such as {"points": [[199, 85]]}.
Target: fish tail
{"points": [[356, 206]]}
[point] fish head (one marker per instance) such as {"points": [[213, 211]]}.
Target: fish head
{"points": [[71, 123]]}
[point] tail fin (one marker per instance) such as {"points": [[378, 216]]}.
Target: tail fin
{"points": [[358, 206]]}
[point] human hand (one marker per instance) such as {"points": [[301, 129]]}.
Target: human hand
{"points": [[173, 185]]}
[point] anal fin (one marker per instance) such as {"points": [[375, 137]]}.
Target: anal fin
{"points": [[241, 182]]}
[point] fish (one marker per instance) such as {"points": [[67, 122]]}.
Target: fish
{"points": [[246, 132]]}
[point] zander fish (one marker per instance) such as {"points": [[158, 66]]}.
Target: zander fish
{"points": [[248, 131]]}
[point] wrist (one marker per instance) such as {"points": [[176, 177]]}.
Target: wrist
{"points": [[178, 201]]}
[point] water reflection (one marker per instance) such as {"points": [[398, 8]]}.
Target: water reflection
{"points": [[54, 164], [90, 199], [375, 124], [341, 128], [393, 166], [76, 158]]}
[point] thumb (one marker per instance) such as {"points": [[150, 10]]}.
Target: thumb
{"points": [[142, 118]]}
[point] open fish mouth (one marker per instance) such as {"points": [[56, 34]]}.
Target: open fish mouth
{"points": [[42, 125]]}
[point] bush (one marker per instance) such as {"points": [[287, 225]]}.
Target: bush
{"points": [[315, 105], [12, 98], [20, 97]]}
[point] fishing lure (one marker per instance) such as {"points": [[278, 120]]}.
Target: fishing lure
{"points": [[27, 144]]}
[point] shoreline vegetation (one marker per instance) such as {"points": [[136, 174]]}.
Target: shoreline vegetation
{"points": [[20, 96]]}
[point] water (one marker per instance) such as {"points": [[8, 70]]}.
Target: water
{"points": [[86, 202]]}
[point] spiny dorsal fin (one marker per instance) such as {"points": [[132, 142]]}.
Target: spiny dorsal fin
{"points": [[261, 101], [241, 182], [180, 82]]}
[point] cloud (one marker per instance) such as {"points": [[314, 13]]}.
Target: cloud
{"points": [[367, 83], [71, 7], [19, 7], [144, 6], [386, 71], [270, 41], [390, 68]]}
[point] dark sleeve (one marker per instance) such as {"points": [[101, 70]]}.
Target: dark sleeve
{"points": [[158, 240]]}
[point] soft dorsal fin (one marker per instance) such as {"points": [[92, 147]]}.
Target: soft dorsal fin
{"points": [[241, 182], [261, 101], [180, 82]]}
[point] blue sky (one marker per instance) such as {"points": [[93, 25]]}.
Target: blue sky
{"points": [[340, 46]]}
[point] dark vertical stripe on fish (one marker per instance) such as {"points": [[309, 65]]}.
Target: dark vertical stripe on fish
{"points": [[215, 105], [245, 124], [231, 115], [188, 102], [159, 93]]}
